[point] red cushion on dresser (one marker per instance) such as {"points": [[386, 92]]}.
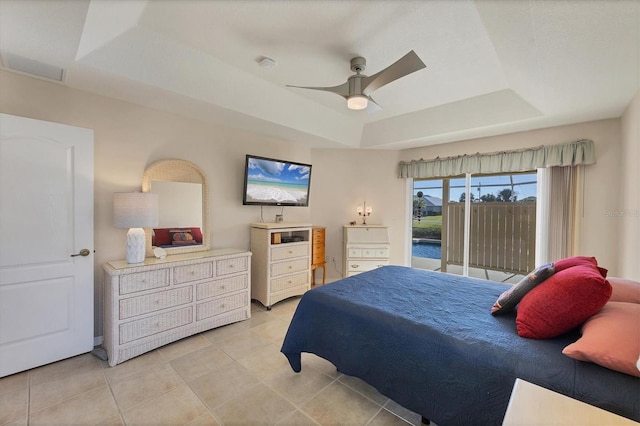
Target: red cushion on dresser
{"points": [[161, 237], [197, 234]]}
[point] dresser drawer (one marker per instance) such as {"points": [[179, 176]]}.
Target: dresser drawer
{"points": [[318, 236], [156, 324], [355, 252], [289, 251], [369, 252], [231, 266], [218, 287], [144, 281], [221, 305], [154, 302], [318, 254], [365, 265], [381, 252], [279, 284], [375, 252], [198, 271], [289, 267]]}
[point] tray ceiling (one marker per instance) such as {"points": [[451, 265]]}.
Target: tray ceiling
{"points": [[492, 66]]}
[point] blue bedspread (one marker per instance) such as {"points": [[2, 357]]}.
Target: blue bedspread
{"points": [[427, 340]]}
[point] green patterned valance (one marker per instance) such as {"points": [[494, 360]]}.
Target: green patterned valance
{"points": [[568, 154]]}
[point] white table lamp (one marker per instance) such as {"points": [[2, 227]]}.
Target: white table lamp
{"points": [[135, 210]]}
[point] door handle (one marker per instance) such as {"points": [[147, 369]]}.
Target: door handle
{"points": [[83, 252]]}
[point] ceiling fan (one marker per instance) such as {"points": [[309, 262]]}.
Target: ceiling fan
{"points": [[358, 87]]}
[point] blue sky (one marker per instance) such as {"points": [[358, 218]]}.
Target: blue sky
{"points": [[486, 184], [275, 171]]}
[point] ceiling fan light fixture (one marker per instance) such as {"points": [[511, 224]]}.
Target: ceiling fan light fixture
{"points": [[357, 102]]}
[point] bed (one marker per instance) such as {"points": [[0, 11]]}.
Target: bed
{"points": [[427, 341]]}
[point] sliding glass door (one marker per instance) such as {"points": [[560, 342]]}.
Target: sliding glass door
{"points": [[426, 246], [482, 225]]}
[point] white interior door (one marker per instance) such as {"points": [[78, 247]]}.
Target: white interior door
{"points": [[46, 217]]}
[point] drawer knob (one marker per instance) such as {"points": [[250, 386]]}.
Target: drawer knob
{"points": [[355, 266], [290, 267], [230, 266]]}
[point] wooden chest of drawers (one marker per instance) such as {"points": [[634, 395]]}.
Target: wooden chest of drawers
{"points": [[318, 259], [159, 301]]}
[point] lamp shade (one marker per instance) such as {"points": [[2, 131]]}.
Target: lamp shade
{"points": [[357, 102], [135, 209]]}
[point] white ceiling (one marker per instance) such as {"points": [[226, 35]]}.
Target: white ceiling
{"points": [[493, 66]]}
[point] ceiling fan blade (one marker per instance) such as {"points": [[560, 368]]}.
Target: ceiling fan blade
{"points": [[373, 106], [342, 90], [406, 65]]}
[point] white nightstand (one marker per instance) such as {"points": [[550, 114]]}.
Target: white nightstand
{"points": [[534, 405]]}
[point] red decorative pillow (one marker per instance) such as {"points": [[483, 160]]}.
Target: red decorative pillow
{"points": [[197, 234], [161, 237], [569, 262], [562, 302], [624, 290], [610, 338], [563, 264]]}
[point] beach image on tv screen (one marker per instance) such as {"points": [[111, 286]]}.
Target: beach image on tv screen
{"points": [[277, 182]]}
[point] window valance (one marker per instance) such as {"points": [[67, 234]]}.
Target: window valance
{"points": [[568, 154]]}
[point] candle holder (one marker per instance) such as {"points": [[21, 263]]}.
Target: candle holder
{"points": [[364, 211]]}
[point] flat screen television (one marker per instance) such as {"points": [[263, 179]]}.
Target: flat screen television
{"points": [[271, 182]]}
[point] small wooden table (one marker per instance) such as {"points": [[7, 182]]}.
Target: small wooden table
{"points": [[318, 259]]}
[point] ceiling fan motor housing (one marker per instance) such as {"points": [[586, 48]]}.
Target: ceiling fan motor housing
{"points": [[358, 64], [355, 84]]}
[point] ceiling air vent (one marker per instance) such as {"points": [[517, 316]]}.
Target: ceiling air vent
{"points": [[32, 67]]}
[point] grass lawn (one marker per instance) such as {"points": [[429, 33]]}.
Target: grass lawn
{"points": [[427, 220], [428, 227]]}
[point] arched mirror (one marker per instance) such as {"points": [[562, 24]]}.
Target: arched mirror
{"points": [[183, 202]]}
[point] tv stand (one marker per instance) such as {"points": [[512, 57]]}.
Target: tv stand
{"points": [[281, 261]]}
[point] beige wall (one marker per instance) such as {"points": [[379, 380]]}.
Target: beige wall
{"points": [[128, 137], [599, 233], [628, 209], [344, 179]]}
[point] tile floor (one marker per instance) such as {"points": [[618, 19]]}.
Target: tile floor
{"points": [[233, 375]]}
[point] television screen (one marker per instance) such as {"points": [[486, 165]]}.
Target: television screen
{"points": [[271, 182]]}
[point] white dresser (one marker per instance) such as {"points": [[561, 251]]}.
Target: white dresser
{"points": [[150, 304], [281, 261], [366, 247]]}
